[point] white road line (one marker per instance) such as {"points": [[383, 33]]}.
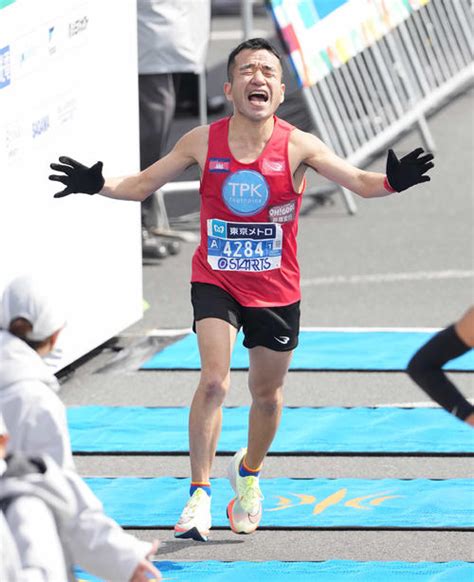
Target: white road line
{"points": [[158, 333], [186, 330], [371, 329], [169, 332], [424, 404], [388, 277]]}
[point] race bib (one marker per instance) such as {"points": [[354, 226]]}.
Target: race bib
{"points": [[244, 246]]}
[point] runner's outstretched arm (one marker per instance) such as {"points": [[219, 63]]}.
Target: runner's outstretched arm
{"points": [[401, 174], [89, 180]]}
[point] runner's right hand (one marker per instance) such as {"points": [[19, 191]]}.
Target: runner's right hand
{"points": [[77, 177]]}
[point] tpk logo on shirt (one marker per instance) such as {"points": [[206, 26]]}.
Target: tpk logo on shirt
{"points": [[245, 192]]}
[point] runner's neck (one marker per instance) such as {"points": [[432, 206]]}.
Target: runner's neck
{"points": [[247, 139]]}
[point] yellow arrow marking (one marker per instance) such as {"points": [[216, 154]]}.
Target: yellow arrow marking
{"points": [[356, 502], [283, 500], [382, 499], [331, 500], [285, 503], [305, 499]]}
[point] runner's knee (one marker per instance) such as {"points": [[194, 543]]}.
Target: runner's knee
{"points": [[214, 389], [268, 402]]}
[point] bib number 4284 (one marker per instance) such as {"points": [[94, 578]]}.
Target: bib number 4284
{"points": [[238, 249]]}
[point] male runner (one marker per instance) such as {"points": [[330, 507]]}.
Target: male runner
{"points": [[245, 272]]}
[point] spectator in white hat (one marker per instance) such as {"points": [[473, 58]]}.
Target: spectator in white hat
{"points": [[31, 319], [53, 522]]}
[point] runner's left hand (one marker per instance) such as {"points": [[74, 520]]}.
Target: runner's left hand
{"points": [[410, 170]]}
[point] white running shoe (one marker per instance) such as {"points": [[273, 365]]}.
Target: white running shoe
{"points": [[245, 510], [195, 520]]}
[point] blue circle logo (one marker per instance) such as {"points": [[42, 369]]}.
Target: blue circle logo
{"points": [[245, 192]]}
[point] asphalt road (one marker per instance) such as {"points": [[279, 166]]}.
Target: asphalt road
{"points": [[406, 260]]}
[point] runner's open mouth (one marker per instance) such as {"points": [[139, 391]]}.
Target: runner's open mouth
{"points": [[258, 97]]}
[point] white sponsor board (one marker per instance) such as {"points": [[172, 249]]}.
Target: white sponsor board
{"points": [[68, 86]]}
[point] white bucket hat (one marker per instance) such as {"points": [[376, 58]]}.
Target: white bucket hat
{"points": [[29, 298]]}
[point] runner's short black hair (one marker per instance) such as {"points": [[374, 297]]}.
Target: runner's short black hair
{"points": [[254, 44]]}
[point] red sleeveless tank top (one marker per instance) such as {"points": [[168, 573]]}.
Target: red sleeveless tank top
{"points": [[249, 222]]}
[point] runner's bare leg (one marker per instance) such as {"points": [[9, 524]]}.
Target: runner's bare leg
{"points": [[216, 340], [267, 373]]}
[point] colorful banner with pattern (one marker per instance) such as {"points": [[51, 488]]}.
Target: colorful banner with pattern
{"points": [[321, 35]]}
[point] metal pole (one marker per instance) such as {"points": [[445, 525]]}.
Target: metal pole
{"points": [[202, 97], [246, 9]]}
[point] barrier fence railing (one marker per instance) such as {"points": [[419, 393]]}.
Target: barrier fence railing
{"points": [[363, 105]]}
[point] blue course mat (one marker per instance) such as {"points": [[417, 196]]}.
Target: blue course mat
{"points": [[300, 503], [320, 350], [330, 571], [102, 429]]}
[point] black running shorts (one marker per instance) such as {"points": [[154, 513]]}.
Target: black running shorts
{"points": [[276, 328]]}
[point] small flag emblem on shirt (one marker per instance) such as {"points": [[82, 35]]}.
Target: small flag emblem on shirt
{"points": [[270, 167], [219, 165]]}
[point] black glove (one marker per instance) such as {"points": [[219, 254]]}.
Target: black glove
{"points": [[78, 178], [409, 170]]}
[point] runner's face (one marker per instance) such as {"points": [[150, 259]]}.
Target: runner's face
{"points": [[256, 89]]}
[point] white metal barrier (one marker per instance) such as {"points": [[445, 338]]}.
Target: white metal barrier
{"points": [[365, 104]]}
